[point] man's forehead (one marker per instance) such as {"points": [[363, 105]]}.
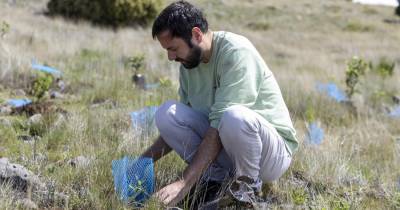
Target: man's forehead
{"points": [[165, 35], [167, 40]]}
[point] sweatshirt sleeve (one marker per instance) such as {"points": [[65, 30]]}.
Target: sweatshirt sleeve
{"points": [[240, 77]]}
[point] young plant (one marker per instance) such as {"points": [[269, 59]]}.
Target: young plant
{"points": [[356, 67], [41, 85], [384, 68], [4, 28], [136, 62]]}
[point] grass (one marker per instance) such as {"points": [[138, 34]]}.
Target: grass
{"points": [[356, 166]]}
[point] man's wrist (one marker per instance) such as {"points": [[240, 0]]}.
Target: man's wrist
{"points": [[207, 152]]}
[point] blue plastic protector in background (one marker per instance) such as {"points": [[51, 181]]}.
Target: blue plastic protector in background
{"points": [[143, 118], [133, 179], [395, 112], [46, 69], [18, 102], [332, 91], [315, 133]]}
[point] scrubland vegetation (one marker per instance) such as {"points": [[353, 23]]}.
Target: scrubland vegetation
{"points": [[303, 42]]}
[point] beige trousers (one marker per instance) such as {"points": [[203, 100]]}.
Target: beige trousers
{"points": [[251, 146]]}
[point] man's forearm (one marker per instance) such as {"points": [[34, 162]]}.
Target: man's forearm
{"points": [[205, 155], [157, 150]]}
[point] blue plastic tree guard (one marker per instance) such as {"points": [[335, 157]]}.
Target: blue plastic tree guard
{"points": [[332, 91], [395, 112], [16, 103], [143, 118], [133, 179], [46, 69], [315, 133]]}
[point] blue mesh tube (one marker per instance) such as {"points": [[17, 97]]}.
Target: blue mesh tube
{"points": [[333, 91], [133, 179], [315, 133], [144, 117], [143, 120]]}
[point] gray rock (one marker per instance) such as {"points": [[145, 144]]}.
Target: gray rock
{"points": [[18, 174], [35, 119]]}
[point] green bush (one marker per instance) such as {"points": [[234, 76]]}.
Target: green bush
{"points": [[356, 67], [4, 28], [107, 12], [41, 85], [384, 68]]}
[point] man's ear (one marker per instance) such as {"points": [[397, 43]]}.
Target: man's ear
{"points": [[197, 35]]}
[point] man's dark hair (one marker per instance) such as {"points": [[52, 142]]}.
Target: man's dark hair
{"points": [[180, 18]]}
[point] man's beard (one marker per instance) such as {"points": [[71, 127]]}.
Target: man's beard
{"points": [[193, 59]]}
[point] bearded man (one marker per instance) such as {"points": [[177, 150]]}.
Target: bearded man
{"points": [[231, 121]]}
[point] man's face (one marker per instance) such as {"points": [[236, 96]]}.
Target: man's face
{"points": [[179, 51]]}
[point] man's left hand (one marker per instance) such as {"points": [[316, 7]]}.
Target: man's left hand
{"points": [[173, 193]]}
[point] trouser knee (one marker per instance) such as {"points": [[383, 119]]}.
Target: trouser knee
{"points": [[234, 126], [164, 115]]}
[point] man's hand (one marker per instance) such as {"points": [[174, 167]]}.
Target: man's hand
{"points": [[205, 155], [173, 193]]}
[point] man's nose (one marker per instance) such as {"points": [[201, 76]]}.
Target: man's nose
{"points": [[171, 56]]}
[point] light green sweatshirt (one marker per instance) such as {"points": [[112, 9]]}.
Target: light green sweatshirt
{"points": [[236, 74]]}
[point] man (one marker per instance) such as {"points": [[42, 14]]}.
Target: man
{"points": [[231, 121]]}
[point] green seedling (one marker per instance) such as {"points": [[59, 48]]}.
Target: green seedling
{"points": [[4, 28], [41, 85], [356, 67]]}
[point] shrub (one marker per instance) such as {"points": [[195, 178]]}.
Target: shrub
{"points": [[107, 12], [136, 63], [370, 80], [357, 27], [356, 67], [384, 68], [41, 85], [4, 28]]}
